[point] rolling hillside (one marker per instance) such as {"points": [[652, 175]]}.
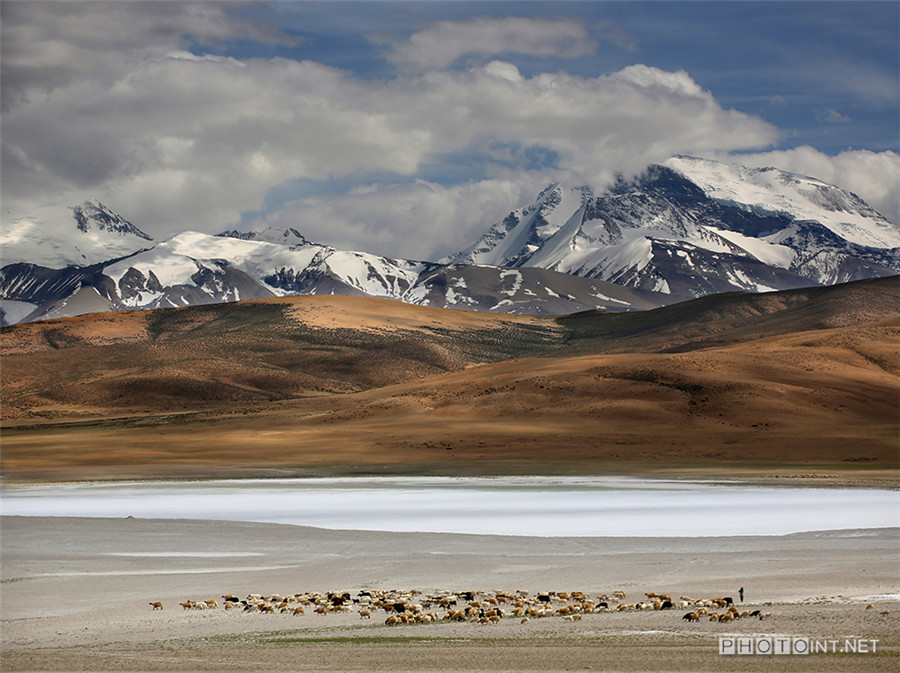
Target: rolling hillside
{"points": [[805, 379]]}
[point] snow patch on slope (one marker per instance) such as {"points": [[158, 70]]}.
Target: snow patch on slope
{"points": [[763, 250], [516, 282]]}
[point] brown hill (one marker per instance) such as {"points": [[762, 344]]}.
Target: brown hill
{"points": [[259, 351], [798, 381], [734, 317]]}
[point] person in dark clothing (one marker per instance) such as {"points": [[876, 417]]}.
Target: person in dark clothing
{"points": [[741, 594]]}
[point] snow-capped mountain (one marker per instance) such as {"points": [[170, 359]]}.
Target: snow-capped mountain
{"points": [[192, 268], [687, 228], [289, 236], [55, 252], [801, 198], [79, 236], [693, 227]]}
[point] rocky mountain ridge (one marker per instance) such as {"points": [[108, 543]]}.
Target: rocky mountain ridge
{"points": [[687, 228], [694, 227]]}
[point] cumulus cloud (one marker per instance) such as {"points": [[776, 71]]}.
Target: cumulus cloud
{"points": [[444, 42], [122, 111], [430, 219], [51, 44], [210, 136], [873, 176]]}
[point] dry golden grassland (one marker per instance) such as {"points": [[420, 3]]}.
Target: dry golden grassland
{"points": [[802, 382]]}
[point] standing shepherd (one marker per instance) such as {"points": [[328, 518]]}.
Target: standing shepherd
{"points": [[741, 594]]}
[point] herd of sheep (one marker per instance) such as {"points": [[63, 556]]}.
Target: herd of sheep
{"points": [[483, 607]]}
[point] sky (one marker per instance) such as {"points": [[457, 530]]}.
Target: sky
{"points": [[408, 128]]}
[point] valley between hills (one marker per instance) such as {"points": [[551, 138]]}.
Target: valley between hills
{"points": [[785, 385]]}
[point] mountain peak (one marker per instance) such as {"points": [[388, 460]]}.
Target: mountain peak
{"points": [[774, 191], [48, 238], [685, 228], [693, 226], [287, 236], [95, 215]]}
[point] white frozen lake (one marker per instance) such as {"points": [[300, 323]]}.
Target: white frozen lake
{"points": [[541, 506]]}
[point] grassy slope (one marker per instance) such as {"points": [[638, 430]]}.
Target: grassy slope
{"points": [[803, 380]]}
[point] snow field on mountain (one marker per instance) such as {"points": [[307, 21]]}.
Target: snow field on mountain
{"points": [[769, 253], [36, 240], [373, 275], [634, 253], [258, 259], [169, 269], [804, 198]]}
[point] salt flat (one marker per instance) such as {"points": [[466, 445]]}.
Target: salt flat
{"points": [[535, 506]]}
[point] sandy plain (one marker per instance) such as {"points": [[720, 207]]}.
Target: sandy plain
{"points": [[75, 596]]}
